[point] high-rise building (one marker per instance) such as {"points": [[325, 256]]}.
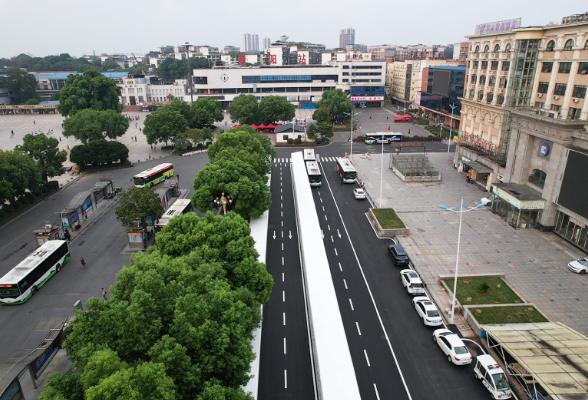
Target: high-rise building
{"points": [[250, 42], [266, 43], [346, 36]]}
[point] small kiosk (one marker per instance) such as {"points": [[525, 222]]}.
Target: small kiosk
{"points": [[48, 232]]}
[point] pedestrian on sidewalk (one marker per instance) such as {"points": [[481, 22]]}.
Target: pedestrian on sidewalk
{"points": [[67, 235], [409, 131], [83, 262], [151, 146], [85, 215], [135, 138], [155, 148], [149, 156], [104, 292], [11, 133], [34, 123], [60, 138], [62, 236]]}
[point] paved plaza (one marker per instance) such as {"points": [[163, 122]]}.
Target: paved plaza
{"points": [[534, 262]]}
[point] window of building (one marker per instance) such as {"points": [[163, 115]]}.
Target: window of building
{"points": [[500, 99], [476, 64], [505, 65], [574, 113], [560, 89], [490, 97], [484, 64], [565, 67], [539, 104], [543, 87], [494, 65], [497, 48], [550, 45], [486, 49], [481, 96], [537, 178], [200, 80], [477, 49], [492, 81], [583, 68], [472, 93], [482, 80], [555, 107], [345, 66], [586, 45], [508, 48], [345, 73], [547, 67], [569, 45], [474, 79], [579, 91], [503, 82]]}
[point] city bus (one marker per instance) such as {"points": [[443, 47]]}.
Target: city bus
{"points": [[314, 173], [180, 206], [153, 176], [346, 171], [309, 155], [383, 137], [18, 285]]}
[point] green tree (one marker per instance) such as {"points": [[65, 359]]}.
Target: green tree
{"points": [[215, 391], [89, 124], [45, 151], [326, 129], [32, 102], [110, 65], [164, 125], [22, 84], [242, 146], [245, 109], [136, 204], [276, 108], [99, 152], [332, 106], [249, 190], [54, 96], [66, 386], [90, 90], [311, 132], [171, 69], [182, 107], [200, 135], [205, 112], [265, 141], [20, 171]]}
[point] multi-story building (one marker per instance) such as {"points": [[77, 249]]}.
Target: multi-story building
{"points": [[460, 51], [150, 90], [250, 42], [187, 50], [382, 52], [266, 43], [229, 49], [524, 129], [346, 37], [51, 82]]}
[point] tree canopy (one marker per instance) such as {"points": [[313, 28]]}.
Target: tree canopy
{"points": [[205, 112], [276, 108], [90, 90], [136, 205], [237, 178], [326, 129], [164, 125], [245, 109], [19, 172], [22, 84], [99, 152], [332, 107], [87, 125], [241, 145], [45, 151], [171, 68]]}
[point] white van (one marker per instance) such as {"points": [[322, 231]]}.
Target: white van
{"points": [[492, 376]]}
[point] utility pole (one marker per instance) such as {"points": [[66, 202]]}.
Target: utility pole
{"points": [[190, 75]]}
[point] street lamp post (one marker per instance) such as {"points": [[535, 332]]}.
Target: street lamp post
{"points": [[351, 129], [458, 244], [453, 106], [382, 171]]}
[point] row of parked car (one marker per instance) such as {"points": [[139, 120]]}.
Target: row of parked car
{"points": [[457, 353]]}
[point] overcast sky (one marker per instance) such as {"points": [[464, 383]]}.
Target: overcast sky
{"points": [[41, 28]]}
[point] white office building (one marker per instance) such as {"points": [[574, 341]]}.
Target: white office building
{"points": [[141, 89]]}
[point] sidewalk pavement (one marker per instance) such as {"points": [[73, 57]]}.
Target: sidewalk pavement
{"points": [[533, 262]]}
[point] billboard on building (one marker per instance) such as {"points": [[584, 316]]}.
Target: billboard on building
{"points": [[442, 82], [574, 187], [498, 27]]}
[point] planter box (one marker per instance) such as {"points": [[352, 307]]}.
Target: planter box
{"points": [[389, 233]]}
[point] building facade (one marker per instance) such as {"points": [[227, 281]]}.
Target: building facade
{"points": [[250, 42], [266, 43], [150, 90], [346, 37], [229, 48]]}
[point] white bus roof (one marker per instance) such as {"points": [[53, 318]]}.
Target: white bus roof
{"points": [[309, 155], [173, 211], [149, 171], [25, 266], [312, 168], [345, 163]]}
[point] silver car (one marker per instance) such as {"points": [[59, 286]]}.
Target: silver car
{"points": [[579, 266]]}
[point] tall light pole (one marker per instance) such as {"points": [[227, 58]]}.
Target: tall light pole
{"points": [[458, 243], [453, 106], [351, 129], [382, 171]]}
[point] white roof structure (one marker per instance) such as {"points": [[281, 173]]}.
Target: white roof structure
{"points": [[335, 374], [312, 168], [550, 357], [149, 171], [309, 155], [25, 266]]}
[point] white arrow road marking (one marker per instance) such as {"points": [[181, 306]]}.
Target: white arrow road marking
{"points": [[274, 235], [290, 234]]}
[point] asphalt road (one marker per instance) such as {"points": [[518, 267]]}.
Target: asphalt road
{"points": [[285, 368], [101, 245]]}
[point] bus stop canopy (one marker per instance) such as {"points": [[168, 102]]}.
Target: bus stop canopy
{"points": [[549, 357], [78, 200]]}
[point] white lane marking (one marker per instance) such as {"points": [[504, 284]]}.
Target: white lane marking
{"points": [[558, 246], [340, 267], [274, 235], [281, 205], [282, 224], [282, 277], [283, 296], [325, 217], [284, 318], [321, 199], [281, 198], [345, 283], [282, 212], [281, 190], [323, 208], [570, 254], [286, 379], [282, 246], [366, 358], [282, 243], [338, 233], [358, 330], [329, 226], [284, 345], [322, 234], [377, 394], [332, 240], [282, 260], [290, 234], [351, 303], [319, 192], [336, 251]]}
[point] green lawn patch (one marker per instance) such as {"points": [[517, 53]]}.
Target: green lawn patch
{"points": [[507, 315], [473, 288], [388, 218]]}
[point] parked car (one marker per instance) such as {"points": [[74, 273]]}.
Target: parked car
{"points": [[427, 311], [398, 255], [453, 347], [412, 282], [359, 194], [579, 266], [492, 376]]}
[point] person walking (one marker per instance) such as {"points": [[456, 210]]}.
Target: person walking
{"points": [[62, 236], [83, 262], [104, 292], [135, 138], [12, 133], [67, 235], [34, 123], [85, 215]]}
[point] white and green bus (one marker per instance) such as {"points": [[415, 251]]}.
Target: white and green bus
{"points": [[180, 206], [346, 171], [314, 173], [18, 285], [153, 176]]}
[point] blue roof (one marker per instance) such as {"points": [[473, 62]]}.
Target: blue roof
{"points": [[118, 74], [64, 75], [51, 102]]}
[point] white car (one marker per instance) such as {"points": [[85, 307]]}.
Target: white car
{"points": [[427, 311], [453, 347], [412, 282], [579, 266], [359, 193]]}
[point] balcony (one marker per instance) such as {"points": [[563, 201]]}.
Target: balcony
{"points": [[505, 56], [503, 73], [494, 55]]}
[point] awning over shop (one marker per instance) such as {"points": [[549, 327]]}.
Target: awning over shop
{"points": [[481, 168], [521, 196], [549, 357], [78, 200]]}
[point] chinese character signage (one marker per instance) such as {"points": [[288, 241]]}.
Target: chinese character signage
{"points": [[301, 58], [242, 60], [498, 27], [365, 98], [273, 59]]}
